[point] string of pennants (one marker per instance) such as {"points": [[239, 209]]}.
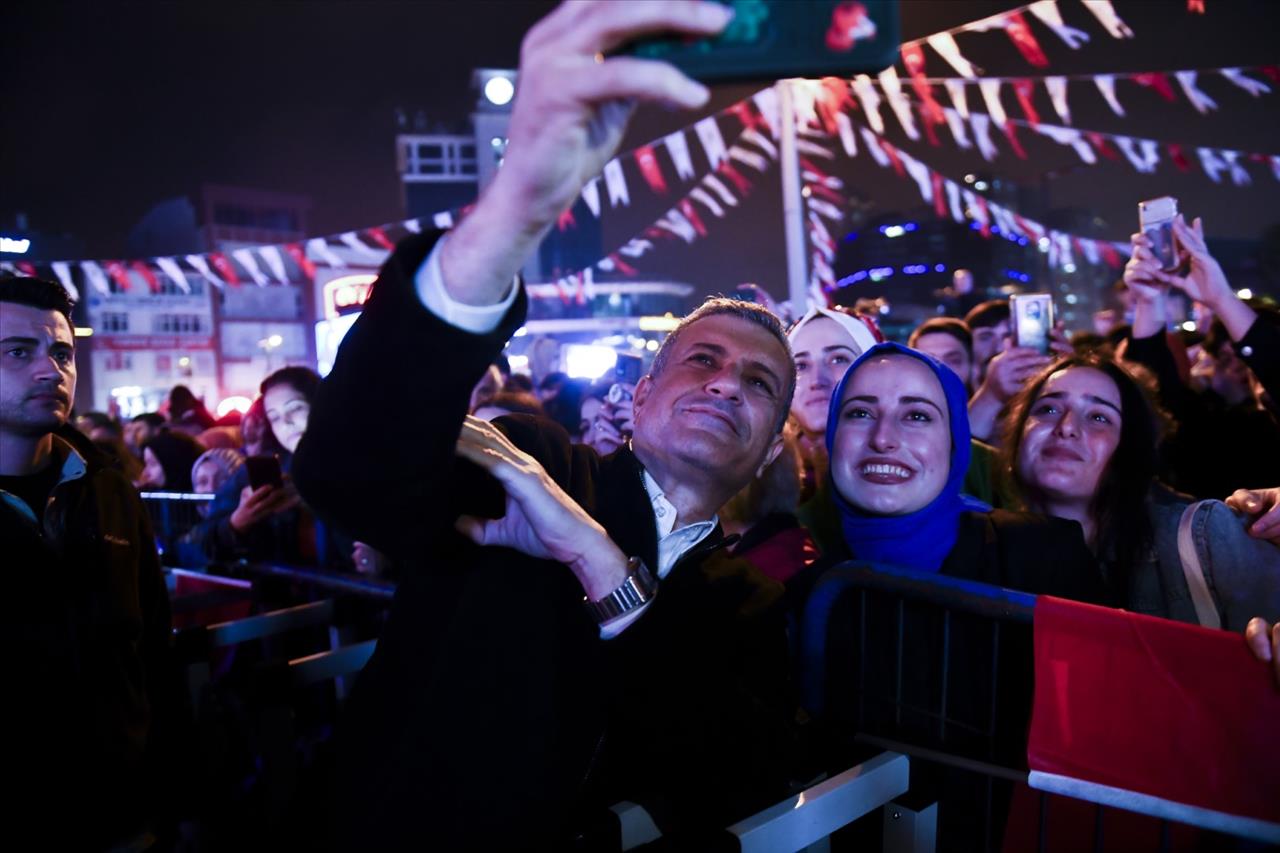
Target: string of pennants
{"points": [[660, 164]]}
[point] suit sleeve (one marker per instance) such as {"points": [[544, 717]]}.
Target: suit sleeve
{"points": [[377, 459]]}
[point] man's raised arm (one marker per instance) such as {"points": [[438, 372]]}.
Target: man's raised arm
{"points": [[379, 448]]}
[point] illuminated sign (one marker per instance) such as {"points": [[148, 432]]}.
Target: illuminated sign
{"points": [[347, 294], [15, 245]]}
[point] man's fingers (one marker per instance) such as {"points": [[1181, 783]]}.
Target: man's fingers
{"points": [[1244, 500], [1258, 636], [471, 527], [604, 25], [1268, 526], [627, 78]]}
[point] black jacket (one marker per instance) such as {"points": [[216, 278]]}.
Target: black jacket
{"points": [[93, 705], [492, 711]]}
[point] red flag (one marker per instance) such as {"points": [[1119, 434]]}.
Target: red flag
{"points": [[1024, 90], [566, 220], [984, 221], [1109, 254], [1012, 134], [300, 258], [26, 268], [826, 193], [648, 162], [1078, 245], [833, 98], [1024, 40], [147, 275], [939, 194], [1195, 7], [727, 170], [380, 237], [1159, 81], [1179, 157], [1272, 72], [930, 109], [691, 214], [1100, 142], [894, 159], [930, 129], [116, 270], [224, 268]]}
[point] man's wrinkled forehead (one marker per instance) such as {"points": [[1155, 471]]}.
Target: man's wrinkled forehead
{"points": [[18, 320]]}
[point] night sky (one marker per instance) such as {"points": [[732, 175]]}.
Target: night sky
{"points": [[111, 107]]}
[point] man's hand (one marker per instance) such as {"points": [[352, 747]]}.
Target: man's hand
{"points": [[1008, 371], [1263, 507], [257, 505], [1264, 642], [541, 520], [570, 111], [614, 424]]}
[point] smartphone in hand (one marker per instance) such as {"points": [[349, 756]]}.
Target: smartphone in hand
{"points": [[264, 471], [1032, 320], [776, 39], [1155, 220]]}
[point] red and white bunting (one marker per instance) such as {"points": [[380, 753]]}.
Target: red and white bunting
{"points": [[717, 186], [945, 45], [869, 99], [957, 125], [360, 247], [1197, 97], [318, 248], [1057, 89], [981, 124], [1070, 136], [170, 268], [96, 277], [898, 101], [1142, 154], [1256, 88], [990, 89], [1106, 84], [591, 196], [874, 147], [62, 270], [1109, 18], [442, 220], [650, 170], [766, 101], [959, 97]]}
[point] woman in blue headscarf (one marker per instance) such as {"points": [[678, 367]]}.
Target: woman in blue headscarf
{"points": [[898, 440]]}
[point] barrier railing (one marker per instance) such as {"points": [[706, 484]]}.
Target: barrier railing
{"points": [[174, 517]]}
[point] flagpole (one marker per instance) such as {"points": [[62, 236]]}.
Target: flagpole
{"points": [[792, 203]]}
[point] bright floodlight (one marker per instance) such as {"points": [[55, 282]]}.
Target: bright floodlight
{"points": [[499, 91], [274, 341], [233, 404], [585, 361]]}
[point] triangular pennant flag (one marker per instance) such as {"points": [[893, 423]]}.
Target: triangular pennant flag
{"points": [[981, 125], [919, 173], [413, 226], [300, 258], [756, 161], [976, 206], [953, 201], [847, 138], [766, 101], [353, 240], [116, 270], [766, 145], [96, 277], [869, 99], [245, 258], [224, 268], [591, 195], [1157, 81], [939, 197], [1178, 157], [1057, 88], [1047, 12], [319, 249], [1145, 159], [615, 183], [1069, 136], [702, 196], [1275, 166], [898, 102], [588, 279], [275, 262], [956, 123], [945, 45], [647, 160], [955, 88], [1090, 250], [913, 59], [1239, 176], [678, 147], [1253, 87], [1106, 15], [891, 151], [873, 146], [566, 220], [712, 142], [636, 248], [442, 220], [379, 236], [170, 268], [825, 208], [201, 265], [676, 223], [717, 186], [1024, 40], [1100, 145], [990, 89], [1011, 134], [1197, 97], [62, 270], [739, 180], [145, 273], [1024, 90], [930, 133], [1106, 84], [691, 213]]}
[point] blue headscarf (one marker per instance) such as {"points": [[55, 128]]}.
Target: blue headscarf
{"points": [[920, 540]]}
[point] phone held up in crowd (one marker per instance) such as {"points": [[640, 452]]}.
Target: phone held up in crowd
{"points": [[1032, 320], [264, 471], [626, 373], [1155, 220]]}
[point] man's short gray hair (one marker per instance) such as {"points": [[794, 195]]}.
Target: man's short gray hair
{"points": [[752, 312]]}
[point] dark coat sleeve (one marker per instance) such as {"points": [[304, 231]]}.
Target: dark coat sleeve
{"points": [[1153, 352], [378, 456], [1260, 349]]}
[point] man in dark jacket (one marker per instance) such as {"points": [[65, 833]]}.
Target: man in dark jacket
{"points": [[94, 702], [500, 701]]}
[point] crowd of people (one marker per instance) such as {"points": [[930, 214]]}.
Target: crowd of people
{"points": [[598, 584]]}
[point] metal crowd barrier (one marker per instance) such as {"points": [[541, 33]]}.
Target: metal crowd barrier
{"points": [[174, 516], [941, 670]]}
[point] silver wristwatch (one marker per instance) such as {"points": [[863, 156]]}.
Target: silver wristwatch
{"points": [[634, 592]]}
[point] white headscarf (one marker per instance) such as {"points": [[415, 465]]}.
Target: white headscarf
{"points": [[863, 330]]}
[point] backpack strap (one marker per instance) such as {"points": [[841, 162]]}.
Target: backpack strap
{"points": [[1201, 597]]}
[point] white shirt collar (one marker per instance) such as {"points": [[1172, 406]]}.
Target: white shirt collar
{"points": [[673, 543]]}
